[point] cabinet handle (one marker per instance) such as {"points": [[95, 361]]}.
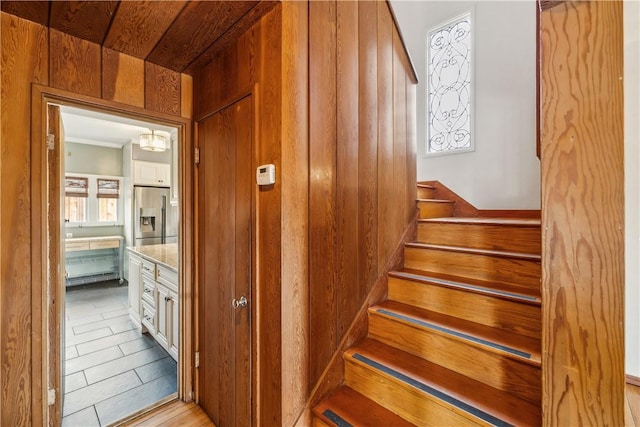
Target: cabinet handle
{"points": [[167, 299], [147, 290]]}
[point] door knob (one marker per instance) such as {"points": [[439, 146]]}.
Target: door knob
{"points": [[238, 303]]}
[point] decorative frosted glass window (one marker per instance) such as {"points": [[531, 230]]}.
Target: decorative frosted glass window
{"points": [[449, 89]]}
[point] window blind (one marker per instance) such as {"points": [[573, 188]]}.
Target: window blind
{"points": [[75, 186]]}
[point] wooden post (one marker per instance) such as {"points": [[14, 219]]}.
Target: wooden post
{"points": [[582, 213]]}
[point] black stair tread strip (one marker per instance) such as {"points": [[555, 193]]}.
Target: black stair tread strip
{"points": [[463, 392], [346, 407], [335, 418], [518, 222], [511, 343], [498, 289], [435, 200], [488, 252]]}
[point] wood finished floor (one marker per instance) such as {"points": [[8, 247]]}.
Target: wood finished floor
{"points": [[633, 398], [175, 413], [111, 368]]}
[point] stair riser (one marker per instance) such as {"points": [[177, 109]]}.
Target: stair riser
{"points": [[519, 272], [435, 209], [512, 316], [410, 403], [426, 193], [317, 422], [494, 369], [482, 236]]}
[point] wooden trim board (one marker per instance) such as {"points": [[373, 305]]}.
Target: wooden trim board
{"points": [[41, 97], [633, 380]]}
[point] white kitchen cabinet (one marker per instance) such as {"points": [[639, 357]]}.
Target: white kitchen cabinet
{"points": [[158, 301], [175, 325], [168, 303], [150, 173], [163, 316], [135, 279], [148, 318], [167, 318]]}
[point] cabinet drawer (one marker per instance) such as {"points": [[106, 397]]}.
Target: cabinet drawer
{"points": [[149, 268], [149, 291], [167, 277], [104, 244], [76, 246], [148, 318]]}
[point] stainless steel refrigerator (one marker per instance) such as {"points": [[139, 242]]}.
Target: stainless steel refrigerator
{"points": [[155, 220]]}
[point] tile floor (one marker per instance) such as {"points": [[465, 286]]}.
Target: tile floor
{"points": [[111, 369]]}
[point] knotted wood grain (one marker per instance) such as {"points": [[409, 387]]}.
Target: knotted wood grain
{"points": [[582, 214]]}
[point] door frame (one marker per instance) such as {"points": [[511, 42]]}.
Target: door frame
{"points": [[41, 97]]}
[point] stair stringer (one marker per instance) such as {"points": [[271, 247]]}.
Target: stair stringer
{"points": [[333, 375]]}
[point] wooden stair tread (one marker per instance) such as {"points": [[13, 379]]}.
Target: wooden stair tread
{"points": [[348, 407], [430, 187], [519, 222], [464, 393], [488, 252], [509, 344], [492, 288], [435, 201]]}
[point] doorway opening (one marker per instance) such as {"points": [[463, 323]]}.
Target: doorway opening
{"points": [[118, 337], [116, 363]]}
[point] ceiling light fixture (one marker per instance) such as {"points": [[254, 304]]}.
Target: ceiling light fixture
{"points": [[153, 142]]}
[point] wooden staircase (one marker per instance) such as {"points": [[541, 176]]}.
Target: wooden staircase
{"points": [[457, 342]]}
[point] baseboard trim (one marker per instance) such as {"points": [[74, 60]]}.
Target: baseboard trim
{"points": [[333, 375], [633, 380]]}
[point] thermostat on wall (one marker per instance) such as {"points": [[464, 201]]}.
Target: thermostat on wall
{"points": [[266, 174]]}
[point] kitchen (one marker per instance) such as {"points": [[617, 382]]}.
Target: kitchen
{"points": [[121, 258]]}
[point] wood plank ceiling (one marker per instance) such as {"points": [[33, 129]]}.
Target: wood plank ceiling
{"points": [[179, 35]]}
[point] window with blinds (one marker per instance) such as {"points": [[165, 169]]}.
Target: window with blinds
{"points": [[76, 192], [108, 195], [93, 200]]}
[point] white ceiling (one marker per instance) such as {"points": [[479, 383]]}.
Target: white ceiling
{"points": [[97, 128]]}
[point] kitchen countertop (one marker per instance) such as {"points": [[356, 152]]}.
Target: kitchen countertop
{"points": [[93, 239], [167, 254]]}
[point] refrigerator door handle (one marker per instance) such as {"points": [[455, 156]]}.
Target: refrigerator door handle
{"points": [[164, 219]]}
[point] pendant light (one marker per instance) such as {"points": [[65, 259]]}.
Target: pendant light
{"points": [[153, 142]]}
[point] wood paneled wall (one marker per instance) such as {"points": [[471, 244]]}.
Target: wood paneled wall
{"points": [[345, 183], [362, 162], [582, 213], [253, 65], [31, 53]]}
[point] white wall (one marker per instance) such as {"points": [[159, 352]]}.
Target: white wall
{"points": [[503, 172], [632, 184], [92, 159]]}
